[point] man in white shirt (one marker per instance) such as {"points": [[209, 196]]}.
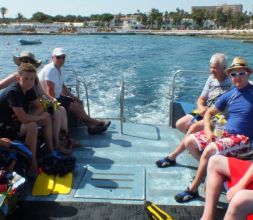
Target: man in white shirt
{"points": [[52, 81]]}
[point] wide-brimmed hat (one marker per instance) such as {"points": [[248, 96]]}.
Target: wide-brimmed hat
{"points": [[238, 63], [26, 54]]}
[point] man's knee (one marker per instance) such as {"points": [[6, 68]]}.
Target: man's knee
{"points": [[189, 142], [214, 162], [239, 201], [183, 124], [62, 110], [179, 124], [31, 128], [46, 121], [209, 150]]}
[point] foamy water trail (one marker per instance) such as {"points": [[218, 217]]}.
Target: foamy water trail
{"points": [[145, 63]]}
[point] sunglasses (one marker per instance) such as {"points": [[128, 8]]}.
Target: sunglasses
{"points": [[60, 57], [27, 60], [234, 74]]}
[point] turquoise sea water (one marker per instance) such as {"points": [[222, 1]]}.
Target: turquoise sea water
{"points": [[146, 63]]}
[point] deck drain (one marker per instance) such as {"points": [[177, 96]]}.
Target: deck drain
{"points": [[117, 183]]}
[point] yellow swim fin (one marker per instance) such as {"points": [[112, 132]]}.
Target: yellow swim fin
{"points": [[63, 184], [43, 185], [156, 213]]}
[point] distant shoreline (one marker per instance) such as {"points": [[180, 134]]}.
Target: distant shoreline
{"points": [[246, 35]]}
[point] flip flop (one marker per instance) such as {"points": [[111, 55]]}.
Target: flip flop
{"points": [[165, 162]]}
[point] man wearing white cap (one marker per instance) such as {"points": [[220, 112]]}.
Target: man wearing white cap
{"points": [[52, 81]]}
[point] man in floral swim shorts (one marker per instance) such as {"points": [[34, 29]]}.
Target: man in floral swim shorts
{"points": [[238, 132]]}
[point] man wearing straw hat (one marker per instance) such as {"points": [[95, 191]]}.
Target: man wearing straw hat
{"points": [[238, 131]]}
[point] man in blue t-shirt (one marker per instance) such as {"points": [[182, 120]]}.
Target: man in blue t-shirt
{"points": [[238, 132], [15, 101]]}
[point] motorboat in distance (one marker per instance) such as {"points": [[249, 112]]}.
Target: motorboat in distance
{"points": [[29, 42]]}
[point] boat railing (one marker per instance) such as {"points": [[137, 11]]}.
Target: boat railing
{"points": [[180, 82], [78, 84], [175, 87], [122, 105]]}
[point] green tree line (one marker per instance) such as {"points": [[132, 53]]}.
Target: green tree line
{"points": [[154, 19]]}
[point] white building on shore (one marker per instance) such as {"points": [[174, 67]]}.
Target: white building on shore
{"points": [[131, 23], [36, 27]]}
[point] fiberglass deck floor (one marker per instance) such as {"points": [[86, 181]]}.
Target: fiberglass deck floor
{"points": [[119, 168]]}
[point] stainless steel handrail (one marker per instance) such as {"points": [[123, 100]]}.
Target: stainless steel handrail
{"points": [[122, 95], [78, 82], [122, 105], [173, 88]]}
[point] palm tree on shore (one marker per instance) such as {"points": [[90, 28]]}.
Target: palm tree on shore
{"points": [[155, 17], [166, 19], [3, 12], [20, 17]]}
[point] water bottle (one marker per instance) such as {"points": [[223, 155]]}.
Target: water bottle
{"points": [[219, 126]]}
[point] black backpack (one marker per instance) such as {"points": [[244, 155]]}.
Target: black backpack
{"points": [[58, 163]]}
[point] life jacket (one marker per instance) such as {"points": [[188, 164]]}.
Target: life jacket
{"points": [[6, 158], [10, 183], [17, 152]]}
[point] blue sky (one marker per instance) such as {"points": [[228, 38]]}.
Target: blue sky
{"points": [[88, 7]]}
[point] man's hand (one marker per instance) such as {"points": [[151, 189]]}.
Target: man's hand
{"points": [[54, 99], [44, 115], [202, 110], [14, 117], [207, 123], [209, 136]]}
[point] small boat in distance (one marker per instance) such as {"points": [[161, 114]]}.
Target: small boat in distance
{"points": [[29, 42], [247, 41]]}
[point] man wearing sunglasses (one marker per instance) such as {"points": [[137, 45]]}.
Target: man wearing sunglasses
{"points": [[52, 81], [238, 133]]}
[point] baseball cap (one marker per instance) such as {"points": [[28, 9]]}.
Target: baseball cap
{"points": [[58, 51]]}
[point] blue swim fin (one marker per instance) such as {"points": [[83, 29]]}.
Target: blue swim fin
{"points": [[20, 148]]}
